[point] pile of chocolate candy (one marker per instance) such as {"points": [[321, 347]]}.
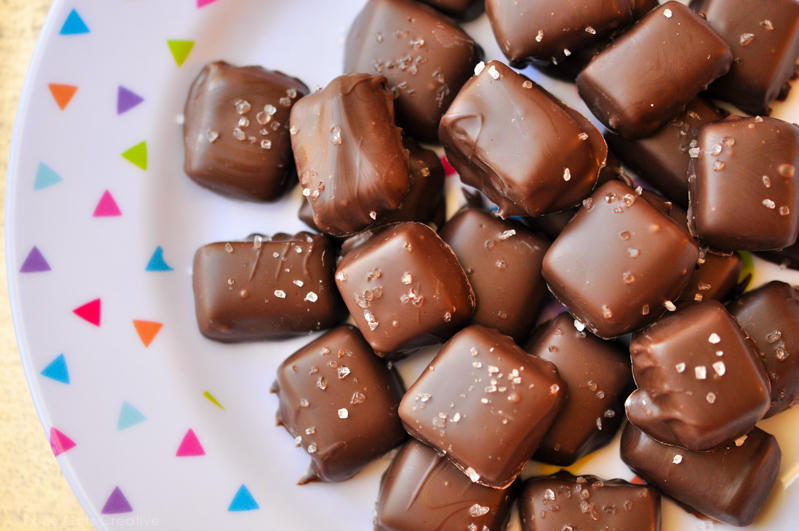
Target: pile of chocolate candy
{"points": [[697, 376]]}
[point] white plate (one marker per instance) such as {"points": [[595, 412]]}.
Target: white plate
{"points": [[127, 406]]}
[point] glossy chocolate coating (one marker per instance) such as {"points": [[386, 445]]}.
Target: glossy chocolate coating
{"points": [[339, 401], [619, 261], [553, 29], [233, 146], [425, 56], [564, 501], [770, 315], [701, 384], [744, 191], [649, 74], [422, 490], [599, 379], [350, 159], [266, 288], [527, 151], [459, 9], [662, 159], [764, 39], [715, 277], [729, 484], [405, 289], [503, 401], [503, 262]]}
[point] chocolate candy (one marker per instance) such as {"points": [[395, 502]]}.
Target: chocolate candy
{"points": [[339, 401], [563, 502], [425, 56], [405, 289], [650, 73], [764, 38], [662, 159], [744, 193], [785, 258], [620, 262], [553, 29], [349, 153], [599, 379], [266, 288], [770, 315], [485, 403], [701, 384], [423, 490], [503, 262], [527, 151], [729, 484], [459, 9], [236, 131], [714, 278]]}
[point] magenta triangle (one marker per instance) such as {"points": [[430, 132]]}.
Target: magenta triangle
{"points": [[89, 312], [107, 207], [34, 263], [59, 442], [203, 3], [190, 446], [117, 503]]}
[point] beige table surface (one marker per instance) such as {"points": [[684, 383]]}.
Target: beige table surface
{"points": [[33, 491]]}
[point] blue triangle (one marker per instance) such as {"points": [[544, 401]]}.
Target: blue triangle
{"points": [[45, 176], [74, 25], [57, 370], [243, 501], [157, 262], [129, 416]]}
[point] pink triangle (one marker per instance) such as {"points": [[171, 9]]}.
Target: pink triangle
{"points": [[107, 207], [203, 3], [190, 445], [89, 312], [59, 442]]}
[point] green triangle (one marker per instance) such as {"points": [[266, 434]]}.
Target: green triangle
{"points": [[180, 50], [210, 397], [137, 155]]}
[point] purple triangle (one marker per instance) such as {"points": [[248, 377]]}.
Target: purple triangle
{"points": [[35, 263], [117, 503], [126, 100]]}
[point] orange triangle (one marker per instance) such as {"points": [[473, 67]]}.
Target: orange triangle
{"points": [[62, 94], [147, 331]]}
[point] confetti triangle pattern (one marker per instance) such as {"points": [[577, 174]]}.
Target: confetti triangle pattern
{"points": [[126, 100], [129, 416], [157, 262], [57, 370], [59, 442], [137, 155], [203, 3], [89, 312], [117, 503], [62, 94], [243, 501], [180, 50], [74, 25], [34, 263], [213, 400], [107, 207], [45, 176], [448, 169], [147, 331], [190, 446]]}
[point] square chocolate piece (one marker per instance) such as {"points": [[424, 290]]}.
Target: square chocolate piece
{"points": [[516, 143], [405, 289], [764, 38], [599, 378], [339, 401], [701, 383], [425, 56], [485, 403], [715, 277], [744, 191], [266, 288], [770, 316], [237, 131], [650, 73], [503, 262], [620, 262], [423, 490]]}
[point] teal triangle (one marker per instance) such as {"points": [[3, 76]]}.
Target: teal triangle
{"points": [[74, 25], [45, 176], [157, 262], [243, 501], [129, 416], [57, 370]]}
